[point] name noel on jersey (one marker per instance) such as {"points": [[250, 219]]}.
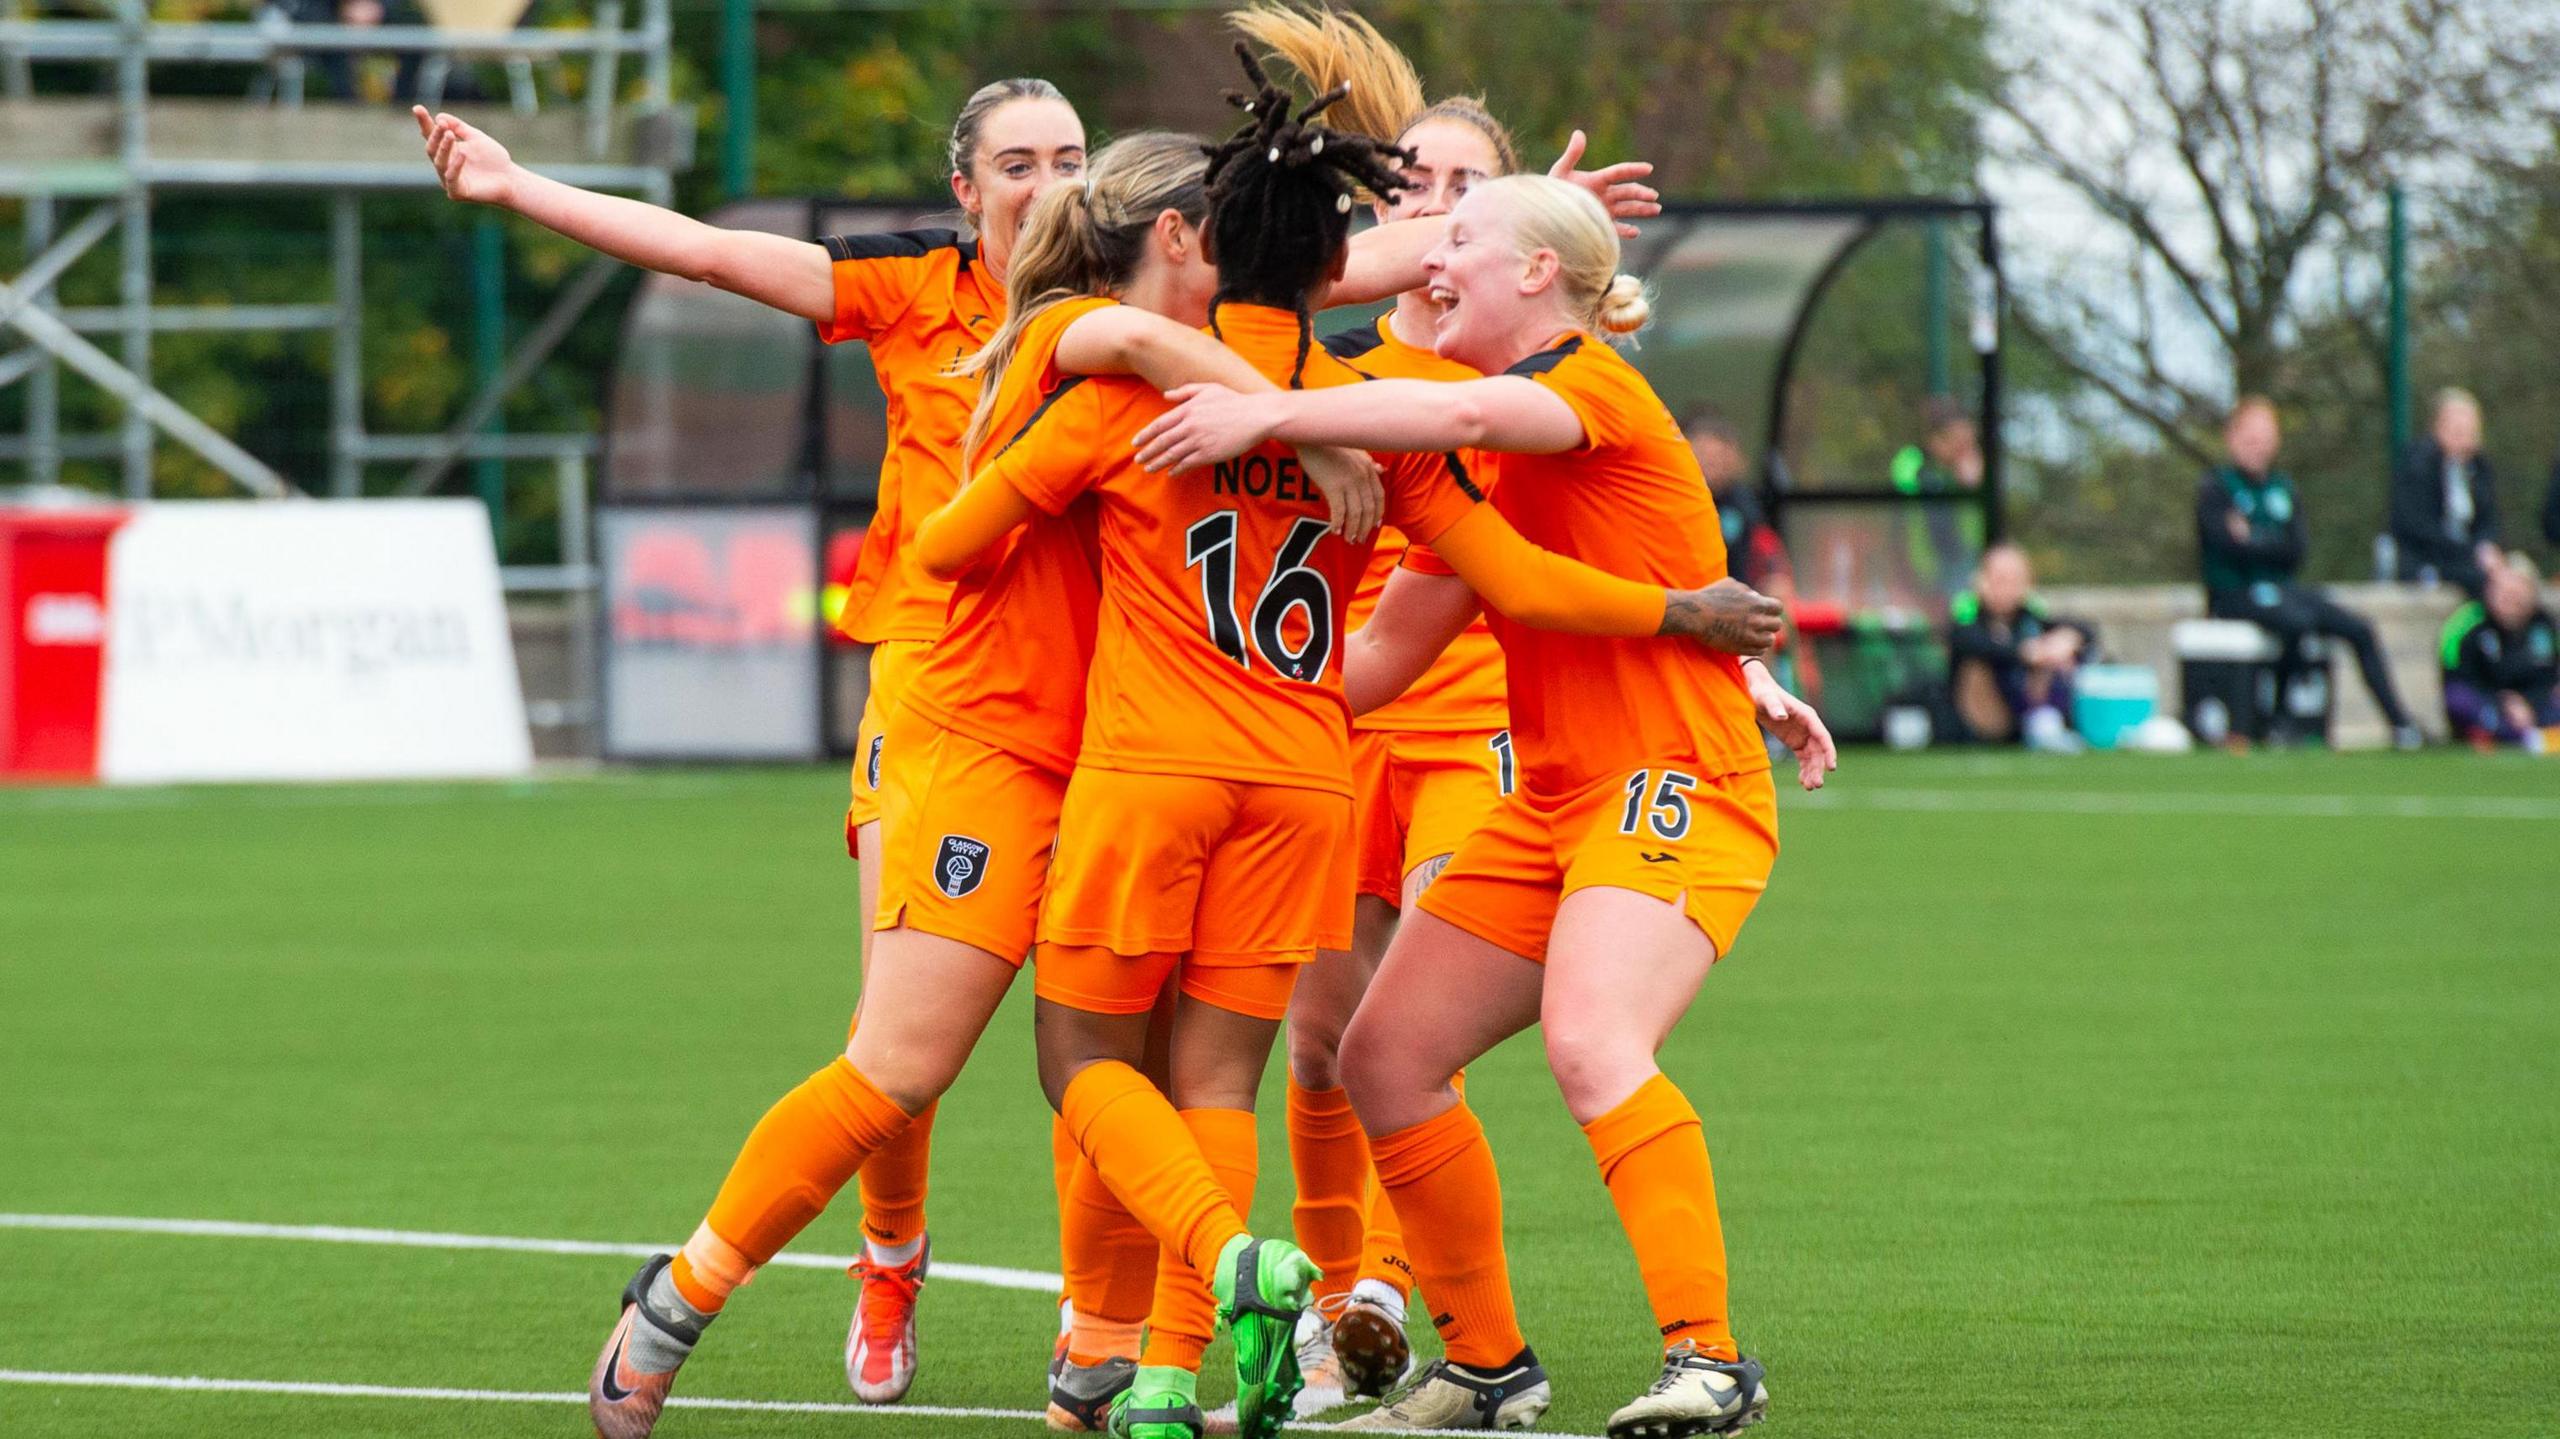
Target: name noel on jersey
{"points": [[1261, 477]]}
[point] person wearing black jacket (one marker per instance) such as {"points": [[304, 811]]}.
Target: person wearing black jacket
{"points": [[2249, 532], [2502, 665], [2010, 662], [2444, 501]]}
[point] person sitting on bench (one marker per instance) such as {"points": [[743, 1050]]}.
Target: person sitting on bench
{"points": [[2010, 663], [2502, 664], [2249, 534]]}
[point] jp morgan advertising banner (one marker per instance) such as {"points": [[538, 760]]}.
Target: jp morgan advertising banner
{"points": [[353, 639], [711, 641]]}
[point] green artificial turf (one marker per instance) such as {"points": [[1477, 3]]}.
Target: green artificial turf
{"points": [[2046, 1099]]}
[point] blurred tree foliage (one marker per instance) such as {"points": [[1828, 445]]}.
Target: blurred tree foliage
{"points": [[2230, 164], [1732, 98]]}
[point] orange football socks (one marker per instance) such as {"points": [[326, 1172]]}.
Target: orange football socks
{"points": [[1382, 1256], [1147, 1155], [1653, 1156], [1330, 1157], [795, 1160], [1439, 1174], [1185, 1312], [893, 1186], [1110, 1264]]}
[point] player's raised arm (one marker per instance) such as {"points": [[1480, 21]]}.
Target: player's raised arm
{"points": [[1126, 340], [1210, 423], [790, 275], [1386, 260]]}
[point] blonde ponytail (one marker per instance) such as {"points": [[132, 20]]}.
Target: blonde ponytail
{"points": [[1085, 237], [1331, 47]]}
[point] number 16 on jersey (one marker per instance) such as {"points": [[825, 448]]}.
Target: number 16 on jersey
{"points": [[1209, 546]]}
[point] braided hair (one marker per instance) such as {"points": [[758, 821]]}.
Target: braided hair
{"points": [[1280, 196]]}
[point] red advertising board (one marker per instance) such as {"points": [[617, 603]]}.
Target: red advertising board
{"points": [[53, 598]]}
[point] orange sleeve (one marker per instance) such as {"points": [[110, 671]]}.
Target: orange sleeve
{"points": [[1542, 589], [952, 538], [1426, 494], [1062, 457], [1598, 395], [1419, 558], [877, 277]]}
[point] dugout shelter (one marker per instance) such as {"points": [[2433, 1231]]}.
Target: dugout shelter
{"points": [[741, 456]]}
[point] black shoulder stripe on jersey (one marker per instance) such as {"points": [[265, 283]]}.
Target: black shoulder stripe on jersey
{"points": [[1055, 396], [1545, 360], [1466, 482], [1352, 344], [899, 245]]}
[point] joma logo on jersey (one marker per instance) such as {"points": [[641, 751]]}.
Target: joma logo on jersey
{"points": [[1260, 476], [871, 763], [961, 866]]}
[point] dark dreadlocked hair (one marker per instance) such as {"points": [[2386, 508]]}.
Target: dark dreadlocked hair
{"points": [[1280, 198]]}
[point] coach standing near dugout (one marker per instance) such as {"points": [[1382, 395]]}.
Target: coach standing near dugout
{"points": [[2249, 535]]}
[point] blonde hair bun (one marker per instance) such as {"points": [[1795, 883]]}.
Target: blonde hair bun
{"points": [[1624, 306]]}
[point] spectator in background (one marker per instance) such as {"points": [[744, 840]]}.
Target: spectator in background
{"points": [[1754, 553], [2502, 664], [2444, 501], [2249, 533], [1948, 461], [2010, 663]]}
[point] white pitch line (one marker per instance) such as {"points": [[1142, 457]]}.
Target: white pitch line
{"points": [[2185, 802], [989, 1275], [310, 1390]]}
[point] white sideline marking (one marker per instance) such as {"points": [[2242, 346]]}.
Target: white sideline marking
{"points": [[2186, 802], [528, 1396], [986, 1274]]}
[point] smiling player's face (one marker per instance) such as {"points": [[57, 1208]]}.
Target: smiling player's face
{"points": [[1024, 147], [1487, 291]]}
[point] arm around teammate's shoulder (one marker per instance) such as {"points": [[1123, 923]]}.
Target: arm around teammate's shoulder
{"points": [[1210, 423]]}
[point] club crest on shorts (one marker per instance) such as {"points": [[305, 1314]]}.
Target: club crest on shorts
{"points": [[960, 867], [871, 763]]}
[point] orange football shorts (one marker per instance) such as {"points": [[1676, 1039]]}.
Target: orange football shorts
{"points": [[1661, 830]]}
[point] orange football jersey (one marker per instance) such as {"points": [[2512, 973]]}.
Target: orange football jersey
{"points": [[921, 300], [1223, 595], [1631, 501], [1009, 668], [1463, 690]]}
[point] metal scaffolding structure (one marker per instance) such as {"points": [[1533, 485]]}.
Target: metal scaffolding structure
{"points": [[118, 150], [114, 152]]}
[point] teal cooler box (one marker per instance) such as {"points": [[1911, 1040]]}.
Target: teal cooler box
{"points": [[2109, 702]]}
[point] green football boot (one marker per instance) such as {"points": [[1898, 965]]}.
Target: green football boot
{"points": [[1262, 1287], [1160, 1403]]}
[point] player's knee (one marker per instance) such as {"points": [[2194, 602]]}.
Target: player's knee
{"points": [[1593, 1069], [1368, 1070], [1314, 1053], [1315, 1049]]}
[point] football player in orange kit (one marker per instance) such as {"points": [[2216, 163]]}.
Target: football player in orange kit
{"points": [[1641, 834], [1211, 792], [920, 299], [1428, 768]]}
